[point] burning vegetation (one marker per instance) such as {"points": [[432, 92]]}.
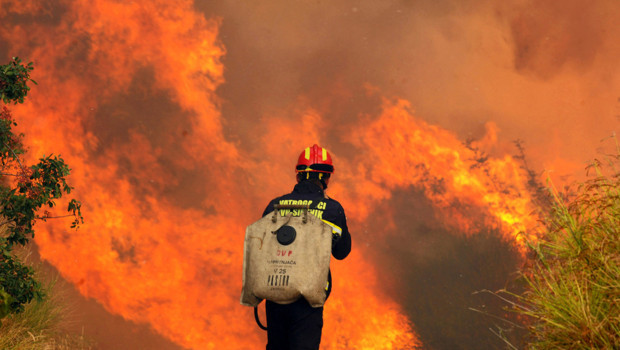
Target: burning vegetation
{"points": [[178, 129]]}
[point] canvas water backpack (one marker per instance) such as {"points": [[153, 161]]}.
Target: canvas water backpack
{"points": [[286, 257]]}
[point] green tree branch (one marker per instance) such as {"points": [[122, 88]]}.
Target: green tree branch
{"points": [[24, 191]]}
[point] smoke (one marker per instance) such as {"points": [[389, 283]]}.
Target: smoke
{"points": [[572, 41], [181, 120], [544, 72], [440, 276]]}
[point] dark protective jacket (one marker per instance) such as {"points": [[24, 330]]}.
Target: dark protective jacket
{"points": [[326, 209]]}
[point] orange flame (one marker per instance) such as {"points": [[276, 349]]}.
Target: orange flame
{"points": [[140, 254], [152, 256], [400, 151]]}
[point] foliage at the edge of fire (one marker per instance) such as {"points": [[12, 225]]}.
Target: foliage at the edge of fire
{"points": [[572, 296], [24, 191]]}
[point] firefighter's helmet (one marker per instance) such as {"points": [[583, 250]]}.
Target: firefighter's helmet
{"points": [[315, 159]]}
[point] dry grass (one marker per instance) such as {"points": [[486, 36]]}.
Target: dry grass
{"points": [[573, 283], [40, 326]]}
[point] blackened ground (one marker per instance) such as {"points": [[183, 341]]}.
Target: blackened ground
{"points": [[438, 275]]}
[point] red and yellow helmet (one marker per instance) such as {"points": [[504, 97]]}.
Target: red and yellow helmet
{"points": [[315, 159]]}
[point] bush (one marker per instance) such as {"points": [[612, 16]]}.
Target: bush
{"points": [[39, 325], [573, 283]]}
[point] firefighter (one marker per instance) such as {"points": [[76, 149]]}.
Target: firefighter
{"points": [[298, 326]]}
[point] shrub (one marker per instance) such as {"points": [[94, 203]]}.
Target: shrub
{"points": [[572, 295], [40, 325]]}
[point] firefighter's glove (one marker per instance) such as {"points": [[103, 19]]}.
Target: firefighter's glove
{"points": [[335, 238]]}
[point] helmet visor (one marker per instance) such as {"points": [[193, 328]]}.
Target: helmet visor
{"points": [[325, 168]]}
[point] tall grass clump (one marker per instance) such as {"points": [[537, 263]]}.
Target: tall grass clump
{"points": [[41, 325], [572, 295]]}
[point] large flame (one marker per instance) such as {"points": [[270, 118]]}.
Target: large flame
{"points": [[167, 196], [402, 151]]}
